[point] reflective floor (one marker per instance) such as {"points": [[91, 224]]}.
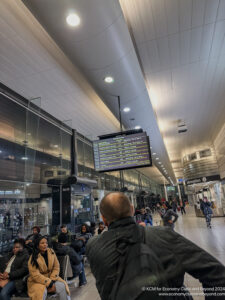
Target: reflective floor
{"points": [[193, 228]]}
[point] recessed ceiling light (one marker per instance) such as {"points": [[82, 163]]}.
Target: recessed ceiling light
{"points": [[109, 79], [55, 146], [153, 153], [73, 20], [126, 109], [160, 162], [157, 158], [24, 158], [137, 127]]}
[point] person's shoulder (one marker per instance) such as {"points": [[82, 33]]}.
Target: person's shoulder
{"points": [[25, 253], [96, 240], [155, 233]]}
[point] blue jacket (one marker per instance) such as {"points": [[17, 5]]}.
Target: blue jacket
{"points": [[206, 208]]}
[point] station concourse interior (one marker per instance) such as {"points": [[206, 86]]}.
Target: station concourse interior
{"points": [[76, 73]]}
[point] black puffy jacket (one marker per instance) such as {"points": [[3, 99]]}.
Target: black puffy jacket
{"points": [[177, 255], [19, 268], [75, 258]]}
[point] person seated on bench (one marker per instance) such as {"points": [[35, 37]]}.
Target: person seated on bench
{"points": [[64, 232], [77, 266], [30, 240], [84, 236], [44, 273], [13, 268]]}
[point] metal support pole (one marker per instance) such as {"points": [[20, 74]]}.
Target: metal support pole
{"points": [[121, 130], [60, 204], [165, 191], [120, 118], [178, 187]]}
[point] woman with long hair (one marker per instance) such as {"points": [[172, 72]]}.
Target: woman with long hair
{"points": [[44, 273]]}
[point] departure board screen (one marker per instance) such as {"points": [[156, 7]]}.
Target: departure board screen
{"points": [[122, 152]]}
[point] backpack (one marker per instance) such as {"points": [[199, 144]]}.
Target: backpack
{"points": [[140, 274]]}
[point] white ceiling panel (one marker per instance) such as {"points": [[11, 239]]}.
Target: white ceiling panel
{"points": [[185, 14], [211, 11], [159, 17], [172, 10], [221, 10], [187, 77], [198, 13]]}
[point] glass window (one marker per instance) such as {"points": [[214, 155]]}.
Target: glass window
{"points": [[205, 153], [192, 156]]}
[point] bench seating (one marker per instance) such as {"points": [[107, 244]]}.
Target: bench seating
{"points": [[65, 271]]}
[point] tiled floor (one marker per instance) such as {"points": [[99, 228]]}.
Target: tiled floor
{"points": [[193, 228]]}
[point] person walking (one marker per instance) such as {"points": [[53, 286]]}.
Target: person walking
{"points": [[174, 205], [128, 258], [169, 217], [182, 207], [205, 207]]}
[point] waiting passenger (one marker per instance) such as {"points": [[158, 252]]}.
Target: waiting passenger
{"points": [[30, 240], [84, 236], [174, 205], [13, 268], [75, 259], [44, 273], [127, 258], [207, 211], [64, 232], [101, 227], [148, 217]]}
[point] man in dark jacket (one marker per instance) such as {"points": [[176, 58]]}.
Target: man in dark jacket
{"points": [[169, 217], [63, 232], [13, 268], [176, 254], [61, 248]]}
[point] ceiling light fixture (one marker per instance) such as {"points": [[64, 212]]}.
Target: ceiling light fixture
{"points": [[126, 109], [157, 158], [24, 158], [153, 153], [137, 127], [109, 79], [73, 20]]}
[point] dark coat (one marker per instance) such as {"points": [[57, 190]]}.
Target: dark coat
{"points": [[177, 254], [168, 216], [40, 278], [19, 268], [206, 208], [75, 258]]}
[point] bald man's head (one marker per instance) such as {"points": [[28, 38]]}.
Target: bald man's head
{"points": [[115, 206]]}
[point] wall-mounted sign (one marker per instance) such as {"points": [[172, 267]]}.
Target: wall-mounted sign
{"points": [[203, 179]]}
